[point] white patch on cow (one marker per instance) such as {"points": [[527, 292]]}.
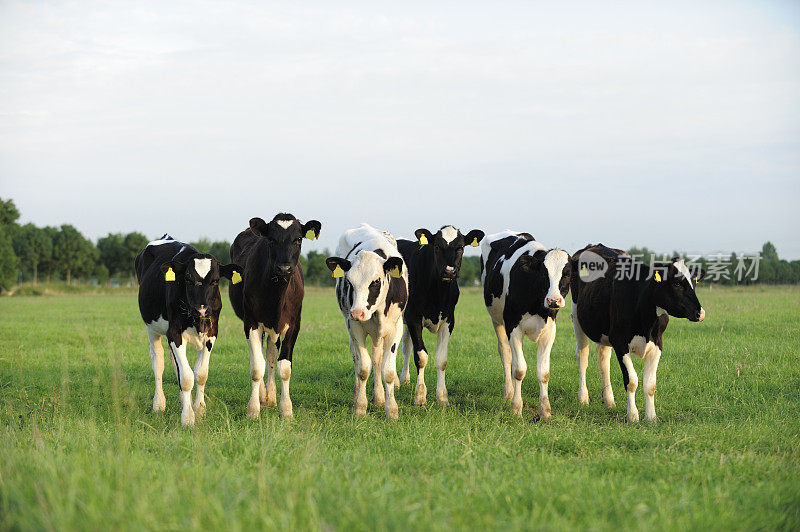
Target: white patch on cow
{"points": [[633, 383], [660, 311], [161, 241], [449, 233], [604, 341], [681, 267], [158, 327], [554, 262], [505, 268], [202, 267], [284, 223], [285, 373]]}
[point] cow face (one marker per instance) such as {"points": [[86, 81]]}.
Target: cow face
{"points": [[555, 266], [448, 249], [284, 236], [197, 279], [368, 276], [675, 291]]}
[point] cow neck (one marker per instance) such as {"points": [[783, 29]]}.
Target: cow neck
{"points": [[431, 282], [645, 306]]}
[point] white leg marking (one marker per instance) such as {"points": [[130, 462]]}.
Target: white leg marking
{"points": [[285, 373], [257, 364], [268, 392], [544, 346], [157, 361], [633, 383], [201, 376], [420, 390], [442, 340], [651, 359], [518, 370], [405, 376], [186, 383], [390, 372], [378, 396], [604, 362], [504, 349], [581, 356]]}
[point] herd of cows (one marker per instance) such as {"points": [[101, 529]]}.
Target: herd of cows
{"points": [[390, 289]]}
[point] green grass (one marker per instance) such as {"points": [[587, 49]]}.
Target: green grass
{"points": [[80, 449]]}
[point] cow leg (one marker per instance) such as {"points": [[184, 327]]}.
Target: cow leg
{"points": [[505, 357], [651, 358], [405, 376], [185, 379], [604, 361], [361, 363], [201, 376], [544, 346], [442, 340], [581, 356], [257, 363], [518, 369], [378, 396], [629, 379], [285, 371], [420, 360], [268, 392], [157, 361], [390, 370]]}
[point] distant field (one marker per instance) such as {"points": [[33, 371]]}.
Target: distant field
{"points": [[80, 449]]}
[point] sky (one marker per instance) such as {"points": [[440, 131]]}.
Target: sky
{"points": [[671, 125]]}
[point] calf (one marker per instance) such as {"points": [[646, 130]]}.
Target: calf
{"points": [[179, 297], [630, 314], [524, 286], [269, 301], [434, 262], [372, 291]]}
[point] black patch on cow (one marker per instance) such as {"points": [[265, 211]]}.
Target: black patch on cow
{"points": [[397, 294], [209, 345], [352, 249], [394, 347], [380, 253], [374, 290]]}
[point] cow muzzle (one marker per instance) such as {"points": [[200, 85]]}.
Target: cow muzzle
{"points": [[449, 274], [283, 270], [700, 316], [554, 302], [358, 315]]}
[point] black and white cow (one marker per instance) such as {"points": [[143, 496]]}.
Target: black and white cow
{"points": [[628, 312], [179, 297], [524, 286], [434, 262], [372, 291], [269, 301]]}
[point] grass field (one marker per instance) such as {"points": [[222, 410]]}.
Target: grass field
{"points": [[80, 448]]}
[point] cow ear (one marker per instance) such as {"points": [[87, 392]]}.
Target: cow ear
{"points": [[423, 236], [337, 265], [172, 268], [311, 229], [473, 238], [259, 226], [393, 265], [231, 271]]}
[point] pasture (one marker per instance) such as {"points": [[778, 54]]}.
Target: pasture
{"points": [[80, 448]]}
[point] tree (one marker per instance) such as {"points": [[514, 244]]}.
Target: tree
{"points": [[134, 243], [220, 249], [470, 273], [768, 252], [8, 212], [48, 263], [32, 245], [8, 260], [73, 252], [112, 252], [316, 271]]}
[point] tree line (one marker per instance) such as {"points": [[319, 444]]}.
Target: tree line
{"points": [[33, 254]]}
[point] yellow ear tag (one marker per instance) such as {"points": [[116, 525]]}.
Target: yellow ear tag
{"points": [[475, 242], [310, 234], [169, 275], [396, 272], [657, 277], [338, 272], [236, 278], [423, 240]]}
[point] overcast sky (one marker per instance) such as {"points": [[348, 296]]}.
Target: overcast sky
{"points": [[672, 125]]}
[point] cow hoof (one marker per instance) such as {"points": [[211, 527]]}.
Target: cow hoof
{"points": [[544, 414], [360, 410], [200, 409], [609, 403], [508, 394], [651, 418], [516, 409], [253, 409], [583, 397], [286, 411], [187, 418], [405, 378], [272, 399], [441, 398], [633, 416], [421, 394], [392, 412], [159, 403]]}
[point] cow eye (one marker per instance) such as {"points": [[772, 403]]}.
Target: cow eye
{"points": [[375, 284], [214, 283]]}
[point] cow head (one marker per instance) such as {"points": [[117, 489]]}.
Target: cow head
{"points": [[674, 286], [554, 265], [197, 280], [448, 248], [284, 236], [368, 276]]}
